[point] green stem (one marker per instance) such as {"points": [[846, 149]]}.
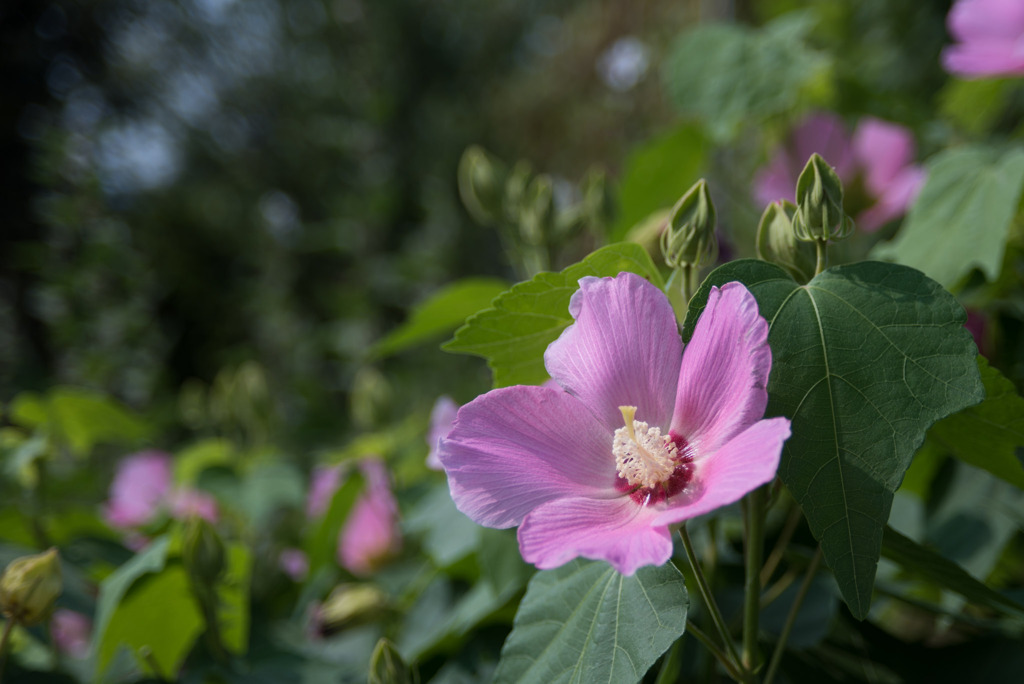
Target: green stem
{"points": [[705, 592], [780, 545], [4, 640], [755, 506], [794, 610], [713, 648], [820, 248]]}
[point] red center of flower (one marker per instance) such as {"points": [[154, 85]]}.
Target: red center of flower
{"points": [[651, 467]]}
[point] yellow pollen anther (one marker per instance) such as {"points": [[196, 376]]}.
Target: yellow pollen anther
{"points": [[643, 456]]}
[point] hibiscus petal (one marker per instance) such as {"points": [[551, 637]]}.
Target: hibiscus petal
{"points": [[724, 374], [623, 349], [615, 530], [514, 448], [883, 150], [744, 463]]}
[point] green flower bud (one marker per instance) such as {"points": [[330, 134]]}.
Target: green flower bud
{"points": [[598, 205], [350, 604], [689, 239], [202, 552], [537, 211], [29, 587], [516, 183], [777, 243], [481, 181], [819, 200], [387, 666]]}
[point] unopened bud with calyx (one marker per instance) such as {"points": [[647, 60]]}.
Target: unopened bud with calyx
{"points": [[689, 238], [819, 204], [777, 243], [29, 587], [202, 552]]}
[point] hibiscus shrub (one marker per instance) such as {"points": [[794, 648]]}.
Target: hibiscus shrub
{"points": [[715, 446]]}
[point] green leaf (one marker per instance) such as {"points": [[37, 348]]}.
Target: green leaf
{"points": [[191, 461], [323, 542], [865, 359], [931, 566], [584, 622], [441, 313], [657, 174], [963, 216], [157, 620], [79, 418], [729, 76], [989, 435], [513, 335]]}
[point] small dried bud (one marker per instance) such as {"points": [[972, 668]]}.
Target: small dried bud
{"points": [[350, 604], [777, 243], [819, 200], [29, 587], [689, 239]]}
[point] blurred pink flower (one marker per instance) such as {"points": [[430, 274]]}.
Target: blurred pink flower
{"points": [[882, 153], [370, 534], [441, 418], [990, 38], [142, 488], [294, 563], [71, 632], [587, 470], [325, 482]]}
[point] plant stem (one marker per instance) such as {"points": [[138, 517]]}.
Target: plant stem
{"points": [[755, 505], [670, 666], [820, 248], [780, 545], [709, 599], [805, 586], [4, 639], [713, 648]]}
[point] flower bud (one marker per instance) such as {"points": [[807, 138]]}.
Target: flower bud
{"points": [[537, 211], [29, 587], [481, 181], [202, 551], [777, 243], [598, 206], [819, 200], [689, 239], [349, 604], [387, 666]]}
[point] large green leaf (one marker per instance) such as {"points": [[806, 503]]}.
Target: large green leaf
{"points": [[658, 174], [729, 76], [865, 359], [962, 218], [990, 434], [584, 622], [233, 598], [513, 334], [441, 313]]}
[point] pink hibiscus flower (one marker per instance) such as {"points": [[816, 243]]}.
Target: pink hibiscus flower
{"points": [[882, 153], [142, 488], [370, 534], [990, 38], [642, 436]]}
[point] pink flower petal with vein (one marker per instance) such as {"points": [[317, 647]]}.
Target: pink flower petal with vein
{"points": [[515, 448], [623, 349], [615, 530], [723, 380]]}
